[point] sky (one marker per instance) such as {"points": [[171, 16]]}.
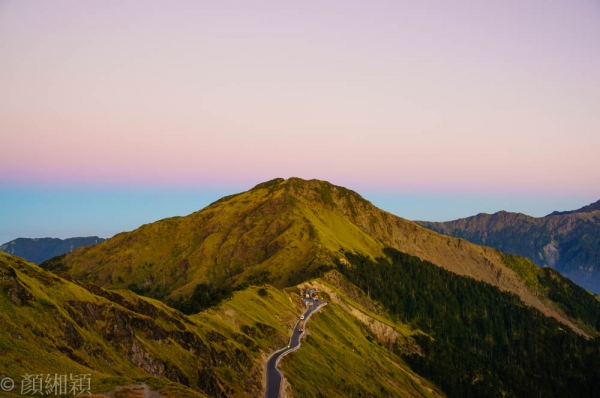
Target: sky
{"points": [[115, 114]]}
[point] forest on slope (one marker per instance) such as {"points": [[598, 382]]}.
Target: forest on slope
{"points": [[479, 341]]}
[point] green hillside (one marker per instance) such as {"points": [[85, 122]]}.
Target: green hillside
{"points": [[341, 358], [54, 326], [353, 349], [281, 232], [270, 234], [51, 325]]}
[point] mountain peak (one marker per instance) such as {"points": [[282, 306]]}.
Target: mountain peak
{"points": [[281, 232], [314, 190], [585, 209], [278, 232], [268, 184]]}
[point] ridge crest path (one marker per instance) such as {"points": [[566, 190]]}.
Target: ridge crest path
{"points": [[274, 375]]}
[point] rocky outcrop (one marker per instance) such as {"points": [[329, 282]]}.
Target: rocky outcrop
{"points": [[386, 334], [16, 291]]}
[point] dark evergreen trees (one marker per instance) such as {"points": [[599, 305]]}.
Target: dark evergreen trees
{"points": [[480, 342]]}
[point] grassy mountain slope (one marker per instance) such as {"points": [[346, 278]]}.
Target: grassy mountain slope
{"points": [[443, 309], [267, 234], [338, 348], [50, 325], [467, 336], [53, 325], [40, 250], [353, 349], [280, 232], [566, 241]]}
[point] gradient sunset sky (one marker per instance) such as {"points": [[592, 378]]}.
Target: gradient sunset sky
{"points": [[114, 114]]}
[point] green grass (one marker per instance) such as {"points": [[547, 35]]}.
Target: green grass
{"points": [[31, 338], [401, 328], [270, 234], [527, 270], [238, 334], [568, 299], [340, 358]]}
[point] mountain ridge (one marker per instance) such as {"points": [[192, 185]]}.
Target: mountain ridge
{"points": [[566, 241], [279, 232], [585, 209], [53, 325], [38, 250]]}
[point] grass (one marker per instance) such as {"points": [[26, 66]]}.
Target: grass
{"points": [[32, 337], [249, 310], [226, 243], [401, 328], [281, 233], [234, 338], [527, 270], [340, 358]]}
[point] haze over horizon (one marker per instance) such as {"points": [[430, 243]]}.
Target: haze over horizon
{"points": [[117, 114]]}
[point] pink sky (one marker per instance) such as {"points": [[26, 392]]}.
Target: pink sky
{"points": [[501, 97]]}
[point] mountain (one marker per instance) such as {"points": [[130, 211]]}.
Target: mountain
{"points": [[585, 209], [41, 249], [566, 241], [411, 312], [52, 325], [281, 232]]}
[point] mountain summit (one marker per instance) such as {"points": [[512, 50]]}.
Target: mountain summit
{"points": [[280, 232]]}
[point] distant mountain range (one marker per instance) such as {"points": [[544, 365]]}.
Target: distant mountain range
{"points": [[41, 249], [568, 241]]}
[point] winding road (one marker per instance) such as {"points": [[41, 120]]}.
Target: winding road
{"points": [[274, 376]]}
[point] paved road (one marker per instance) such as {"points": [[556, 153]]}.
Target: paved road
{"points": [[274, 376]]}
